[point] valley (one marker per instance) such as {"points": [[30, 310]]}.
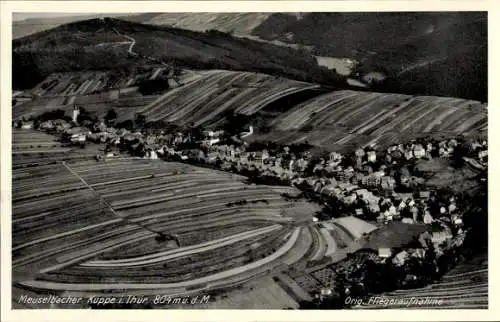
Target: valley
{"points": [[241, 157]]}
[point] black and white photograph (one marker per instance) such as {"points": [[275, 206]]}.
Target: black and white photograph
{"points": [[249, 160]]}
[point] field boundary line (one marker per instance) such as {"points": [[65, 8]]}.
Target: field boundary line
{"points": [[103, 200]]}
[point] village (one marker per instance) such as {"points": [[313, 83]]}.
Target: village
{"points": [[377, 185]]}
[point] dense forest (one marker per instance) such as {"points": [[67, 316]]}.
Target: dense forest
{"points": [[426, 53]]}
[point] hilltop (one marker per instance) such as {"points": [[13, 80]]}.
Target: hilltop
{"points": [[25, 27], [82, 45], [237, 22], [234, 22]]}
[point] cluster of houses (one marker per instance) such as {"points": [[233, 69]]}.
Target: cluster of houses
{"points": [[366, 186], [354, 187], [70, 133], [477, 151], [350, 186]]}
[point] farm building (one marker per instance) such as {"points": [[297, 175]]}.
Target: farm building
{"points": [[439, 237], [384, 252], [372, 156], [75, 113], [419, 151], [27, 125], [400, 258]]}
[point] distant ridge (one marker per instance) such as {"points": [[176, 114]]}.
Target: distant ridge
{"points": [[74, 47], [421, 53]]}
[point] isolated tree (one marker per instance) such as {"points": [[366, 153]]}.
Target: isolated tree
{"points": [[458, 154], [140, 120], [84, 116], [127, 124], [111, 116], [161, 237]]}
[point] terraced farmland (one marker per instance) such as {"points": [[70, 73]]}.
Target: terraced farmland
{"points": [[125, 106], [340, 120], [68, 84], [93, 227], [347, 119], [220, 91], [464, 287], [332, 241], [27, 139], [97, 92], [75, 84], [30, 147]]}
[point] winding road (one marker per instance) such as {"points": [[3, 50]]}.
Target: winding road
{"points": [[155, 60], [131, 42]]}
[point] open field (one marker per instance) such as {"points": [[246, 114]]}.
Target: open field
{"points": [[84, 83], [29, 140], [202, 21], [97, 92], [342, 120], [31, 147], [218, 92], [125, 106], [331, 243], [263, 293], [355, 227], [464, 287], [95, 228], [394, 235], [233, 22], [91, 86]]}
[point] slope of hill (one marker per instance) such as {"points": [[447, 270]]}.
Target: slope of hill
{"points": [[347, 119], [291, 112], [125, 205], [99, 91], [25, 27], [220, 92], [241, 23], [464, 287], [427, 53], [82, 46], [284, 110], [206, 97]]}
